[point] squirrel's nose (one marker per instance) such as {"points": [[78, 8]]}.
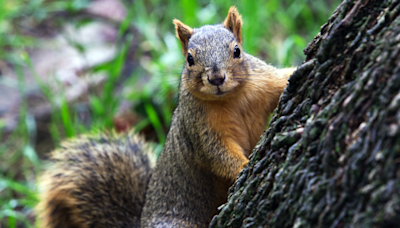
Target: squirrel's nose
{"points": [[217, 81]]}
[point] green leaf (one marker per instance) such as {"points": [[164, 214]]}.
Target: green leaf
{"points": [[97, 105], [16, 186], [155, 121], [66, 118]]}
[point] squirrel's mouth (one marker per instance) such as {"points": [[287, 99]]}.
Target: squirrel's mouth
{"points": [[219, 92]]}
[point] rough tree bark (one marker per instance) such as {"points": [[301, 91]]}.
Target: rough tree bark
{"points": [[331, 157]]}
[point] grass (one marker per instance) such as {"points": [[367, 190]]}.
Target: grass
{"points": [[274, 30]]}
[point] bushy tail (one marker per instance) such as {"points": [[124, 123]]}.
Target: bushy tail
{"points": [[95, 181]]}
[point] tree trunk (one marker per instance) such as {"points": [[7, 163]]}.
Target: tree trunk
{"points": [[331, 157]]}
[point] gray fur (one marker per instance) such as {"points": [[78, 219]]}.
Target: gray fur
{"points": [[181, 192], [211, 43]]}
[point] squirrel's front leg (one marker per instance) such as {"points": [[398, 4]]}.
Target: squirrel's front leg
{"points": [[223, 156], [229, 160], [225, 140]]}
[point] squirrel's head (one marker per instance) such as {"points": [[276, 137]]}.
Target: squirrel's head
{"points": [[213, 56]]}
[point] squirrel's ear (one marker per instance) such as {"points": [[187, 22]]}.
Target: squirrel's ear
{"points": [[233, 23], [183, 32]]}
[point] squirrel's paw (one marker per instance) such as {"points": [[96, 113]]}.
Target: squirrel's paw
{"points": [[244, 164]]}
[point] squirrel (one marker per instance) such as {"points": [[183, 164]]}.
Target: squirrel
{"points": [[225, 99]]}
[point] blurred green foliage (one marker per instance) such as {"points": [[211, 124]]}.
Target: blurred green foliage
{"points": [[274, 30]]}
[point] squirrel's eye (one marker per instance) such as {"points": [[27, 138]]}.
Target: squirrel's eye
{"points": [[236, 52], [190, 60]]}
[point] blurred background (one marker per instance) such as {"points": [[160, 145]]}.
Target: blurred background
{"points": [[80, 66]]}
